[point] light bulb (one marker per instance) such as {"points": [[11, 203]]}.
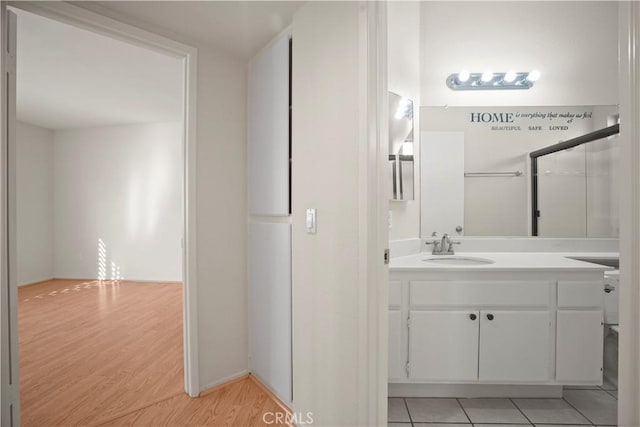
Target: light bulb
{"points": [[403, 106], [533, 75], [487, 76], [463, 76], [510, 76]]}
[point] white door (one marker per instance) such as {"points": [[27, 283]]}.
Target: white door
{"points": [[579, 344], [443, 345], [9, 391], [396, 365], [514, 346], [442, 182]]}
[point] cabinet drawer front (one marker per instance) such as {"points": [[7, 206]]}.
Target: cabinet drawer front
{"points": [[503, 293], [580, 294], [395, 293]]}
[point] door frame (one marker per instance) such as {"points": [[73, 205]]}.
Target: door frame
{"points": [[374, 199], [629, 337], [80, 17], [9, 375]]}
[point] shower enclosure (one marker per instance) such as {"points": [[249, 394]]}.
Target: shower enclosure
{"points": [[574, 186]]}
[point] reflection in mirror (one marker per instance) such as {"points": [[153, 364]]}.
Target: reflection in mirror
{"points": [[401, 147], [476, 176], [574, 189]]}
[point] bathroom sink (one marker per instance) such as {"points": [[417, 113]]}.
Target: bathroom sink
{"points": [[458, 260]]}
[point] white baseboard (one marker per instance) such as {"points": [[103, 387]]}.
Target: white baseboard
{"points": [[220, 381], [90, 279], [286, 402], [474, 390], [36, 282]]}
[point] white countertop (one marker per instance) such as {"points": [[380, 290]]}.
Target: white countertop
{"points": [[505, 261]]}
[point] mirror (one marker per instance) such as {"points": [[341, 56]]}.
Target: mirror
{"points": [[401, 147], [476, 177]]}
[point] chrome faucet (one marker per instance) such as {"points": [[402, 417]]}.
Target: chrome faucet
{"points": [[444, 246]]}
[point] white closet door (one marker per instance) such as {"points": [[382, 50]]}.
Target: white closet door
{"points": [[268, 153], [270, 306]]}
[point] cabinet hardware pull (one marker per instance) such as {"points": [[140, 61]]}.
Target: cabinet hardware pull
{"points": [[472, 316], [490, 316]]}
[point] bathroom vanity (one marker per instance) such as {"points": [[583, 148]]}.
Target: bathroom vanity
{"points": [[495, 319]]}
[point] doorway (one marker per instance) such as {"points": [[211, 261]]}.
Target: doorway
{"points": [[108, 259], [497, 172]]}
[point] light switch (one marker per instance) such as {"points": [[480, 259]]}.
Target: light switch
{"points": [[390, 219], [311, 221]]}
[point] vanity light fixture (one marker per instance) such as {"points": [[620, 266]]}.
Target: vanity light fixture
{"points": [[492, 81]]}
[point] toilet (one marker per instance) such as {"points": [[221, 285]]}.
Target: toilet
{"points": [[611, 319]]}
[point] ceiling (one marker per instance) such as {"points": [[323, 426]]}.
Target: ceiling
{"points": [[240, 28], [68, 77]]}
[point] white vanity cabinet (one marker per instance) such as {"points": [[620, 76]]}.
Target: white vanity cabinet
{"points": [[498, 328], [468, 331], [492, 345]]}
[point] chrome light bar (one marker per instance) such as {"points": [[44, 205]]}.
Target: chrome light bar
{"points": [[492, 81]]}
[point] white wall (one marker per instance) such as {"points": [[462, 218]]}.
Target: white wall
{"points": [[118, 202], [34, 181], [328, 355], [573, 44], [403, 53]]}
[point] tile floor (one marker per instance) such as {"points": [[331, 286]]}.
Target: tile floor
{"points": [[580, 406]]}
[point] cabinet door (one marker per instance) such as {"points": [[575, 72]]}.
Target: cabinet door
{"points": [[270, 322], [579, 347], [514, 346], [443, 345], [396, 364], [268, 132]]}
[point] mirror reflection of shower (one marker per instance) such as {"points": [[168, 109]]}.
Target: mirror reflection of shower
{"points": [[401, 147], [575, 186]]}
